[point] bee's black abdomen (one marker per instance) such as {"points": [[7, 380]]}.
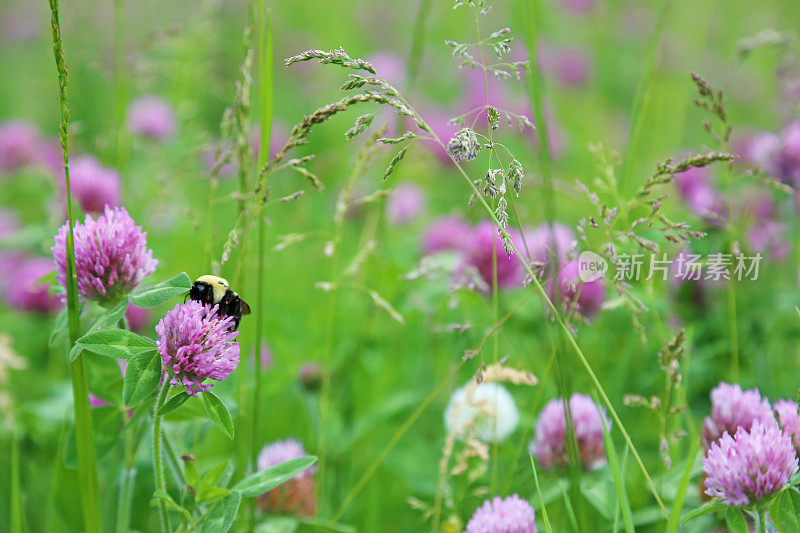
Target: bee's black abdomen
{"points": [[231, 305]]}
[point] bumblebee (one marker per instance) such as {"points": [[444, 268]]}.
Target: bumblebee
{"points": [[214, 290]]}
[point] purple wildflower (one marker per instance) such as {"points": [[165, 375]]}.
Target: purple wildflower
{"points": [[267, 359], [152, 117], [749, 466], [297, 494], [19, 145], [694, 186], [570, 66], [788, 415], [196, 345], [93, 185], [311, 375], [390, 66], [549, 445], [507, 515], [20, 283], [732, 408], [580, 297], [447, 233], [545, 243], [405, 204], [484, 240], [578, 6], [111, 255]]}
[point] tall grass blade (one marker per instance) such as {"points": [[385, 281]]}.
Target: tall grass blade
{"points": [[87, 467]]}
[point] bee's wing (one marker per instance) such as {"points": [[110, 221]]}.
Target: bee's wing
{"points": [[245, 307]]}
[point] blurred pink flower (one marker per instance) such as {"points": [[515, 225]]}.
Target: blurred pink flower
{"points": [[267, 358], [138, 317], [20, 283], [19, 145], [484, 239], [447, 233], [578, 6], [545, 243], [93, 185], [296, 496], [152, 117], [549, 445], [405, 204], [570, 66], [390, 66], [788, 415], [583, 298], [733, 408], [694, 186], [507, 515]]}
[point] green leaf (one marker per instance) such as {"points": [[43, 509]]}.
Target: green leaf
{"points": [[191, 473], [173, 403], [117, 343], [785, 511], [166, 498], [677, 506], [109, 319], [322, 523], [218, 413], [619, 478], [158, 294], [268, 479], [222, 515], [141, 378], [736, 521], [702, 511], [210, 494], [214, 476]]}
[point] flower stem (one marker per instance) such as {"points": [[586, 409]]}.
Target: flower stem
{"points": [[158, 459], [762, 521], [126, 482], [87, 468], [264, 40]]}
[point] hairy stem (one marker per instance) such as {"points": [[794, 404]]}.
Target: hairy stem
{"points": [[158, 458]]}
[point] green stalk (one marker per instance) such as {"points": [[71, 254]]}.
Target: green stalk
{"points": [[644, 94], [265, 89], [16, 496], [418, 42], [495, 292], [762, 521], [126, 482], [531, 16], [120, 85], [87, 468], [542, 507], [158, 458]]}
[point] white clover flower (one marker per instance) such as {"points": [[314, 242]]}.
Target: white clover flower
{"points": [[485, 411]]}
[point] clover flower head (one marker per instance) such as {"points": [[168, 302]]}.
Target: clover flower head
{"points": [[20, 283], [405, 204], [581, 297], [486, 243], [111, 255], [296, 495], [446, 233], [731, 409], [152, 117], [464, 146], [549, 445], [506, 515], [195, 344], [749, 466], [788, 414], [19, 145], [485, 411], [93, 185]]}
